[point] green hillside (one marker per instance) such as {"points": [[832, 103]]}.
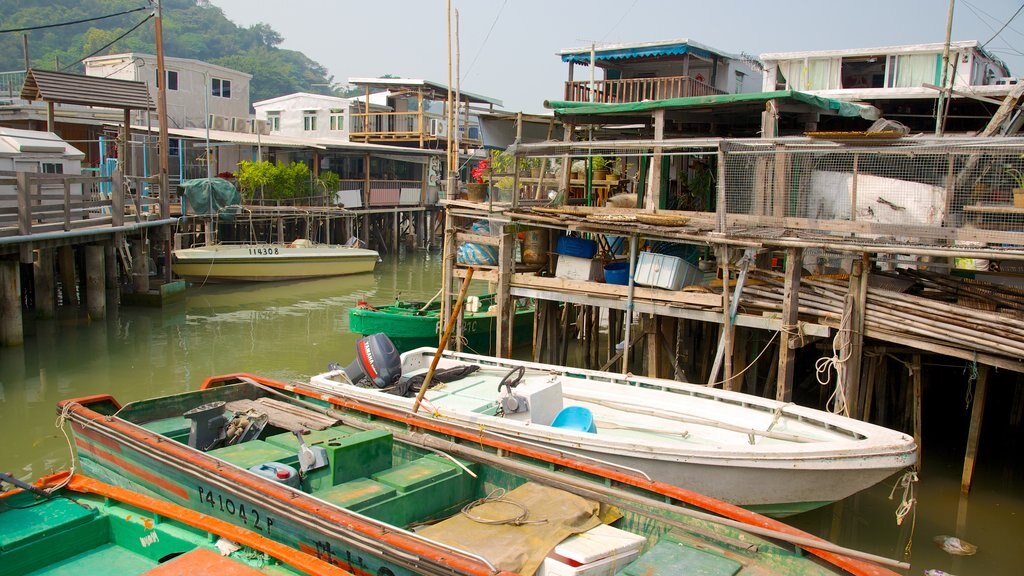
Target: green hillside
{"points": [[191, 29]]}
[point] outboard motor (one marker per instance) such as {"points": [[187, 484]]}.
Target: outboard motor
{"points": [[376, 360], [207, 428]]}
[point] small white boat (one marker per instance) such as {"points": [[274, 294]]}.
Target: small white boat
{"points": [[270, 262], [772, 457]]}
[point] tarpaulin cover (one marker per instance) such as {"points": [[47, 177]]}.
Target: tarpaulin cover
{"points": [[211, 196], [552, 516], [839, 107]]}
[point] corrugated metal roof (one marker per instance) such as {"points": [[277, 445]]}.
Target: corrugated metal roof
{"points": [[640, 50], [839, 107], [64, 88], [435, 90]]}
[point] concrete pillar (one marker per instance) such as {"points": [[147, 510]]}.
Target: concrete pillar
{"points": [[11, 332], [140, 266], [69, 288], [95, 287], [46, 287]]}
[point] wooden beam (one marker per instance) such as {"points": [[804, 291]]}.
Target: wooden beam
{"points": [[790, 310], [503, 298], [652, 200], [974, 433]]}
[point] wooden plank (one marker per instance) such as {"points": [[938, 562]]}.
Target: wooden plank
{"points": [[974, 432], [790, 310], [284, 415], [527, 280], [462, 237]]}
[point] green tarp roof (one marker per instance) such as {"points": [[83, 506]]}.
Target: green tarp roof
{"points": [[848, 109]]}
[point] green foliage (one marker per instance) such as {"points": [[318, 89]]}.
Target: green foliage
{"points": [[273, 181], [599, 163], [1016, 175], [328, 182], [191, 29]]}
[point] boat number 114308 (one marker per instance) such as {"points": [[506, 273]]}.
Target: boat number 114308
{"points": [[266, 251]]}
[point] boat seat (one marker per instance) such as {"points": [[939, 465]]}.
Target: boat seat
{"points": [[667, 558], [351, 453], [176, 428], [576, 418], [425, 487], [34, 522], [356, 494], [253, 452]]}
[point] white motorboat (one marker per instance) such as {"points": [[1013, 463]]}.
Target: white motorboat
{"points": [[270, 262], [773, 457]]}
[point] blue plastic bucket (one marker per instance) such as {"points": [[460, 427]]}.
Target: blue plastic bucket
{"points": [[575, 418], [616, 273]]}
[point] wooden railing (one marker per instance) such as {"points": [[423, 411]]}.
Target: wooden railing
{"points": [[406, 126], [32, 203], [638, 89]]}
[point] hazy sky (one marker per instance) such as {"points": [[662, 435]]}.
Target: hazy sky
{"points": [[508, 46]]}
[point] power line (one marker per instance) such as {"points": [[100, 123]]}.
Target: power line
{"points": [[484, 43], [109, 44], [74, 21], [621, 18], [1004, 25]]}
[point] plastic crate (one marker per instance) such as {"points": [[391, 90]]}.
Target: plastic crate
{"points": [[664, 271], [575, 268], [578, 247]]}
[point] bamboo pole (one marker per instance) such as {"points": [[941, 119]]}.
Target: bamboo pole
{"points": [[974, 432], [444, 340]]}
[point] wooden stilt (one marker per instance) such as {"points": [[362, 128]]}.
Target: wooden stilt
{"points": [[653, 348], [69, 288], [858, 292], [974, 433], [790, 309], [95, 286], [11, 330], [46, 288], [140, 266], [915, 367], [503, 297]]}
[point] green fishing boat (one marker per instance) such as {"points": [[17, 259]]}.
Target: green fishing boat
{"points": [[411, 325], [377, 495], [79, 526]]}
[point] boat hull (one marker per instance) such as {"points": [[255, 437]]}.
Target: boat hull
{"points": [[409, 330], [672, 437], [270, 262]]}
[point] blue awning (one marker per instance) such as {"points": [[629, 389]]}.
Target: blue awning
{"points": [[637, 52]]}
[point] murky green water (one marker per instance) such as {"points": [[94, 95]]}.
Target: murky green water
{"points": [[289, 331]]}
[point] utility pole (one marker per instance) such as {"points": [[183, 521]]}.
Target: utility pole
{"points": [[943, 89], [161, 111]]}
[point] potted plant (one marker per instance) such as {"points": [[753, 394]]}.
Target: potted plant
{"points": [[579, 169], [1018, 185], [600, 166], [476, 190]]}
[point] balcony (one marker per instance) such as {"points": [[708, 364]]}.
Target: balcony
{"points": [[638, 89], [405, 127]]}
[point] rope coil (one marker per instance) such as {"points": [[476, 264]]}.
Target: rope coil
{"points": [[498, 495]]}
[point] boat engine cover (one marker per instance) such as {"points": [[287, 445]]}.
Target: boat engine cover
{"points": [[376, 360]]}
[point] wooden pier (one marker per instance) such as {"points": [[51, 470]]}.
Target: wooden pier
{"points": [[806, 274]]}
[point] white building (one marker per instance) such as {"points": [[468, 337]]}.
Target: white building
{"points": [[906, 71], [197, 92], [305, 115], [35, 151]]}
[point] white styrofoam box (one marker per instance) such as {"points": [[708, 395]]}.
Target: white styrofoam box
{"points": [[600, 551], [575, 268], [664, 271]]}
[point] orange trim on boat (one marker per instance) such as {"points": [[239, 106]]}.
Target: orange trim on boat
{"points": [[731, 511], [398, 540], [248, 538], [126, 465]]}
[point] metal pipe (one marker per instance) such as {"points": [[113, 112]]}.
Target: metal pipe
{"points": [[85, 232]]}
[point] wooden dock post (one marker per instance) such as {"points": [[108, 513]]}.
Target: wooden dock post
{"points": [[110, 269], [69, 287], [790, 314], [45, 284], [503, 297], [140, 267], [11, 331], [95, 287], [974, 432]]}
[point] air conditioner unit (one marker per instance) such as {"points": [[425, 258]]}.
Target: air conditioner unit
{"points": [[438, 127], [241, 125], [260, 127], [217, 122]]}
